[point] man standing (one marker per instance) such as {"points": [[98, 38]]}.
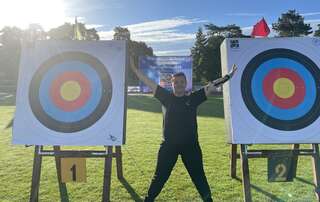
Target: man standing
{"points": [[180, 131]]}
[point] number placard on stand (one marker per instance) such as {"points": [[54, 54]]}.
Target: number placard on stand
{"points": [[280, 167], [73, 170], [74, 167], [283, 164]]}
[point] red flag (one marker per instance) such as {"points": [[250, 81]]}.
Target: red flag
{"points": [[260, 29]]}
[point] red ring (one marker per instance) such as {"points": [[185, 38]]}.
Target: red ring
{"points": [[73, 105], [284, 103]]}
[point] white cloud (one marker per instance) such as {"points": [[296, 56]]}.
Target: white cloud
{"points": [[106, 35], [163, 36], [310, 14], [179, 52], [313, 21], [246, 14], [162, 24], [89, 26], [247, 30], [158, 31]]}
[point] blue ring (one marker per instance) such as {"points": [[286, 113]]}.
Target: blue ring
{"points": [[276, 112], [56, 113]]}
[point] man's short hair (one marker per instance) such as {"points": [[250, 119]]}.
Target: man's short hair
{"points": [[179, 74]]}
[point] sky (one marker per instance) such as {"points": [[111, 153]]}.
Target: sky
{"points": [[169, 27]]}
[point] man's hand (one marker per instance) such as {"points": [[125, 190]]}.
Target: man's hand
{"points": [[213, 84], [233, 70], [224, 79]]}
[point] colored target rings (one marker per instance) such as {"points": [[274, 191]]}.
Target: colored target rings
{"points": [[280, 87], [70, 92]]}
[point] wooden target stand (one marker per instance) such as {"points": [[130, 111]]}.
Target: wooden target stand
{"points": [[107, 154], [245, 154]]}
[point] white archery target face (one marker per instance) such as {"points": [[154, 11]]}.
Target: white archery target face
{"points": [[71, 93], [274, 95]]}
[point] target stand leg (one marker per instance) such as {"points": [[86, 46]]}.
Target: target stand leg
{"points": [[119, 162], [107, 176], [295, 160], [245, 173], [316, 170], [233, 161], [62, 186], [36, 174]]}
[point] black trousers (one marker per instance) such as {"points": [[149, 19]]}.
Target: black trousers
{"points": [[192, 159]]}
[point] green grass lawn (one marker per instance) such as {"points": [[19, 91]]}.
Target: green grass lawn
{"points": [[144, 124]]}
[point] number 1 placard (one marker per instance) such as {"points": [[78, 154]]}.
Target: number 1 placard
{"points": [[73, 170]]}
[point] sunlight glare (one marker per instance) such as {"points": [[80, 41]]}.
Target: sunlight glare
{"points": [[47, 13]]}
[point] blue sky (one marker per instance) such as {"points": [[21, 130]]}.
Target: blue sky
{"points": [[169, 27]]}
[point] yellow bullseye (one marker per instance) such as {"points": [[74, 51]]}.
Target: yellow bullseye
{"points": [[283, 88], [70, 90]]}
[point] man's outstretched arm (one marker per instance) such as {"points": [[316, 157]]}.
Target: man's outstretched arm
{"points": [[218, 82], [151, 84]]}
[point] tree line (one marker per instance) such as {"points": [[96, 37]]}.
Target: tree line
{"points": [[10, 48], [205, 51]]}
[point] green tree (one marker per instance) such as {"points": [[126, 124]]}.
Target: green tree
{"points": [[66, 32], [197, 54], [135, 49], [229, 31], [291, 24], [216, 35], [317, 32], [10, 53], [121, 33], [63, 32], [34, 32], [207, 63], [212, 61], [92, 34], [11, 35]]}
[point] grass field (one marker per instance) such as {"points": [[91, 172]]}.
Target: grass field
{"points": [[144, 122]]}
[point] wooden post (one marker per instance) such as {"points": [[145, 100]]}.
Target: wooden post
{"points": [[233, 161], [107, 176], [36, 174], [245, 173], [62, 186], [295, 160], [316, 170], [119, 162]]}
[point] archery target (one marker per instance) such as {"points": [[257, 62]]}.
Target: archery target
{"points": [[71, 93], [277, 89]]}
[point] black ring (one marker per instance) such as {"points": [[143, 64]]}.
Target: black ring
{"points": [[86, 122], [246, 79]]}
